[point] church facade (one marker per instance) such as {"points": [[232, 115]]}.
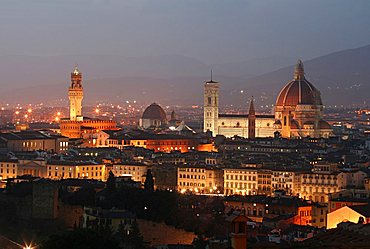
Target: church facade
{"points": [[298, 113], [249, 125]]}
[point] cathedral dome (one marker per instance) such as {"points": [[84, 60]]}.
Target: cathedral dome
{"points": [[324, 125], [294, 124], [154, 112], [299, 91]]}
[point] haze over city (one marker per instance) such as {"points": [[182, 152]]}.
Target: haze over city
{"points": [[175, 44]]}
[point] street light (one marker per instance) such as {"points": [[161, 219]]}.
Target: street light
{"points": [[28, 247]]}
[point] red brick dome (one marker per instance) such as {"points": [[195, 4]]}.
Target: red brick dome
{"points": [[154, 112], [324, 125], [299, 91]]}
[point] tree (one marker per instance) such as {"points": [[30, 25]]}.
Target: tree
{"points": [[135, 238], [111, 183], [200, 242], [149, 182]]}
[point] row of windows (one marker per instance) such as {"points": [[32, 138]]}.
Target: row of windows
{"points": [[70, 168], [282, 185], [192, 176], [264, 188], [63, 144], [281, 180], [31, 144], [316, 190], [209, 114], [264, 182], [192, 170], [7, 171], [264, 176], [240, 172], [257, 149], [158, 143], [241, 177], [329, 177], [129, 168], [120, 172], [192, 184], [7, 165], [324, 182], [241, 185]]}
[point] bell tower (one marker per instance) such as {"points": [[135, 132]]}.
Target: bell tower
{"points": [[252, 121], [75, 95], [211, 93]]}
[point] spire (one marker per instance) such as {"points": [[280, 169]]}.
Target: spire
{"points": [[299, 71], [76, 71], [173, 115], [211, 81], [252, 111]]}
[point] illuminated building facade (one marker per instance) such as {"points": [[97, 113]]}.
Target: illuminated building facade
{"points": [[33, 141], [349, 214], [249, 125], [287, 180], [77, 126], [200, 180], [137, 172], [8, 169], [64, 170], [264, 182], [298, 113], [157, 142], [299, 109], [317, 186], [55, 170], [242, 181]]}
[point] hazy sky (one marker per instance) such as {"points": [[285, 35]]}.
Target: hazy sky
{"points": [[212, 31]]}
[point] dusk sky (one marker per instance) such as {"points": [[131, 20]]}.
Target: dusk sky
{"points": [[213, 31]]}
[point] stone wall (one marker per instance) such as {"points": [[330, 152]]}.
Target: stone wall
{"points": [[162, 234]]}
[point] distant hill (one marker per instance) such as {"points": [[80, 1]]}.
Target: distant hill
{"points": [[342, 77], [171, 78]]}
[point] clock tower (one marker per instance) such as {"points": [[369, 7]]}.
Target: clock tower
{"points": [[75, 95]]}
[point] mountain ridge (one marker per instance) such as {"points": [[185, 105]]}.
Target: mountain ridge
{"points": [[343, 77]]}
